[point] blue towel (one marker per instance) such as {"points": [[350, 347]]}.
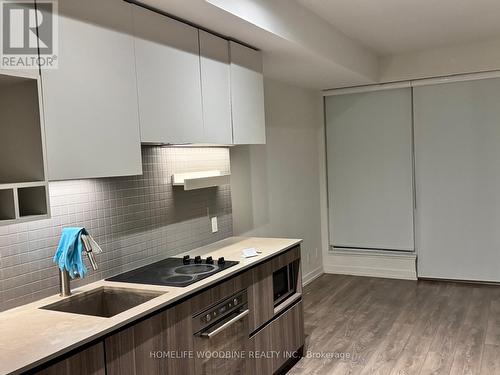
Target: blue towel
{"points": [[69, 252]]}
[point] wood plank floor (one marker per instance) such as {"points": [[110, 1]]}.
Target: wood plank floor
{"points": [[363, 325]]}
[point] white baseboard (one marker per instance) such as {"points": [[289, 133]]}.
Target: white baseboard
{"points": [[311, 276], [371, 263]]}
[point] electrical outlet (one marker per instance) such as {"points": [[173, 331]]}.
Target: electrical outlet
{"points": [[215, 227]]}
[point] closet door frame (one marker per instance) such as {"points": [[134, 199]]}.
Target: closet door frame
{"points": [[405, 191]]}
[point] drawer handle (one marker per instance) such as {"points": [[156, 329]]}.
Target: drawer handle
{"points": [[230, 322]]}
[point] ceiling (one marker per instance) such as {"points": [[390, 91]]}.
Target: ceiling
{"points": [[399, 26], [324, 44]]}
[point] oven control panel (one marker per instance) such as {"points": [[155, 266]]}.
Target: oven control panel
{"points": [[220, 310]]}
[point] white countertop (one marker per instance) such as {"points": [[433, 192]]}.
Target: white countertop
{"points": [[30, 336]]}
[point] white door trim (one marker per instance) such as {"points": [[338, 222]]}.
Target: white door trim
{"points": [[371, 263], [414, 83]]}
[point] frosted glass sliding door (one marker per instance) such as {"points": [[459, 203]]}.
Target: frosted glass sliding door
{"points": [[370, 170], [457, 151]]}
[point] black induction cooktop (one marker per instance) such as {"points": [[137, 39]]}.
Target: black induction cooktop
{"points": [[175, 271]]}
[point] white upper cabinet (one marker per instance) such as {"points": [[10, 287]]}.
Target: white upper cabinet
{"points": [[216, 88], [168, 79], [128, 75], [247, 95], [90, 101]]}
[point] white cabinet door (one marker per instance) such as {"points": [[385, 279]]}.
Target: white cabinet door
{"points": [[168, 79], [90, 101], [215, 87], [457, 138], [370, 172], [247, 95]]}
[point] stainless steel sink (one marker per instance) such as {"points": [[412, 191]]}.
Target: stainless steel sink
{"points": [[104, 301]]}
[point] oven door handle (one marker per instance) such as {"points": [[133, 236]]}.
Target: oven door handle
{"points": [[210, 334]]}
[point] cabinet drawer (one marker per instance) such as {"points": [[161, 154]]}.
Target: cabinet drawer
{"points": [[278, 341]]}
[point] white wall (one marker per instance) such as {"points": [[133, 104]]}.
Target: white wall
{"points": [[277, 188], [465, 58]]}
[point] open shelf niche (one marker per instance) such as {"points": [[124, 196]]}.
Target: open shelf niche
{"points": [[23, 202], [32, 201], [23, 181], [7, 205]]}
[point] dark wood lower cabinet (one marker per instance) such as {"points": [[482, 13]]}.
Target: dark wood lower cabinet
{"points": [[162, 344], [260, 295], [288, 334], [261, 344], [89, 361], [261, 291], [278, 341]]}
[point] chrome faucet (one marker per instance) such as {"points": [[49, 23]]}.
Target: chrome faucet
{"points": [[65, 279], [64, 283]]}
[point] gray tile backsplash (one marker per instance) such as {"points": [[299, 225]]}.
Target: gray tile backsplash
{"points": [[136, 220]]}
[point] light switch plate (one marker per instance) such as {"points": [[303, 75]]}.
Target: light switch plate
{"points": [[215, 227]]}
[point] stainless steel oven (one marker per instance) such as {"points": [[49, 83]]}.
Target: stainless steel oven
{"points": [[284, 282], [221, 337]]}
